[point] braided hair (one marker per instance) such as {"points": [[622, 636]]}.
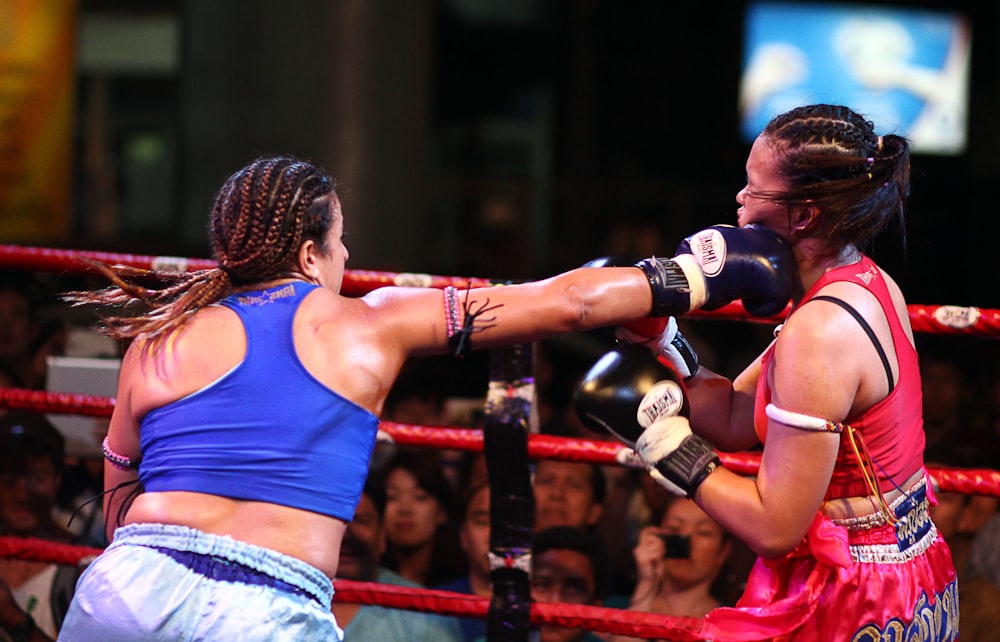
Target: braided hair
{"points": [[831, 157], [261, 216]]}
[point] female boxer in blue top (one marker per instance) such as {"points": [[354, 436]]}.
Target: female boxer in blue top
{"points": [[249, 398]]}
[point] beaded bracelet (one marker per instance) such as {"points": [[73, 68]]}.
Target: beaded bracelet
{"points": [[121, 462], [451, 314]]}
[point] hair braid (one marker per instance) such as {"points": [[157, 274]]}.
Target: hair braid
{"points": [[261, 216], [832, 158]]}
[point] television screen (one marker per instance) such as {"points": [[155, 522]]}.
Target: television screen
{"points": [[906, 69]]}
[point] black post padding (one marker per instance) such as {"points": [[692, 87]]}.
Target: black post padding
{"points": [[512, 501]]}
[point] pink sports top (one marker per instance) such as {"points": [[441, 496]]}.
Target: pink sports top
{"points": [[893, 428]]}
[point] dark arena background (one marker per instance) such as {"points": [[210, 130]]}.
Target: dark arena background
{"points": [[503, 139], [492, 140]]}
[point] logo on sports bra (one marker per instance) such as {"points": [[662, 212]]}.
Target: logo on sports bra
{"points": [[267, 296], [868, 276]]}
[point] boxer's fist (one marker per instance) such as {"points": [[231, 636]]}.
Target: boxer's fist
{"points": [[661, 336], [641, 401], [751, 263], [677, 459], [626, 391]]}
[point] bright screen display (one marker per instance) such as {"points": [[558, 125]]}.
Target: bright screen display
{"points": [[907, 70]]}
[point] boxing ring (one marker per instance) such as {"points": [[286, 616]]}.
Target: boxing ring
{"points": [[508, 442]]}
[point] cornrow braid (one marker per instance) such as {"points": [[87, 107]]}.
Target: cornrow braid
{"points": [[831, 157], [155, 303], [261, 216]]}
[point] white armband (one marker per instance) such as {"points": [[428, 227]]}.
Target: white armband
{"points": [[803, 422]]}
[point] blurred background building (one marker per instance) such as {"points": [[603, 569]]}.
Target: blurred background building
{"points": [[497, 138]]}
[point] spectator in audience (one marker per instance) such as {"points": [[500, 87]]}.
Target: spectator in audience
{"points": [[15, 624], [956, 425], [77, 503], [984, 554], [31, 460], [679, 563], [566, 568], [23, 342], [364, 542], [418, 395], [474, 533], [951, 417], [568, 494], [420, 524]]}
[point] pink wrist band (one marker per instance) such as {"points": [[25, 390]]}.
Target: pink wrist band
{"points": [[121, 462]]}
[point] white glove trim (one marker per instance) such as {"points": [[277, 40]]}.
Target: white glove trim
{"points": [[695, 277], [661, 438]]}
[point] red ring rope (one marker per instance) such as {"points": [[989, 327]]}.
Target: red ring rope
{"points": [[939, 319], [356, 282], [961, 480]]}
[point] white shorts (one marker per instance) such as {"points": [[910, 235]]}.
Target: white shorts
{"points": [[163, 582]]}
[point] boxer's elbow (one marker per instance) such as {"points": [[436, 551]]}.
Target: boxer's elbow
{"points": [[775, 540], [773, 547], [581, 310], [588, 305]]}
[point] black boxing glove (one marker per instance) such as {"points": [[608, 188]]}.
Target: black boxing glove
{"points": [[751, 263], [626, 390], [719, 265], [629, 392]]}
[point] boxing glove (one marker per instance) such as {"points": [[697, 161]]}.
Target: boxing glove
{"points": [[662, 337], [676, 458], [751, 263], [628, 392]]}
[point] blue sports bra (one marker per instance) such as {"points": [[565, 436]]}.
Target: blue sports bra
{"points": [[267, 430]]}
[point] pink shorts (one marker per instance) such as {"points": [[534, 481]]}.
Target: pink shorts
{"points": [[856, 580]]}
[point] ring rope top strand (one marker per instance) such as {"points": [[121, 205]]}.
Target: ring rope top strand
{"points": [[356, 282], [937, 319]]}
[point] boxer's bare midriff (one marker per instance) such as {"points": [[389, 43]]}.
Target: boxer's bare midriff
{"points": [[310, 537], [847, 507]]}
